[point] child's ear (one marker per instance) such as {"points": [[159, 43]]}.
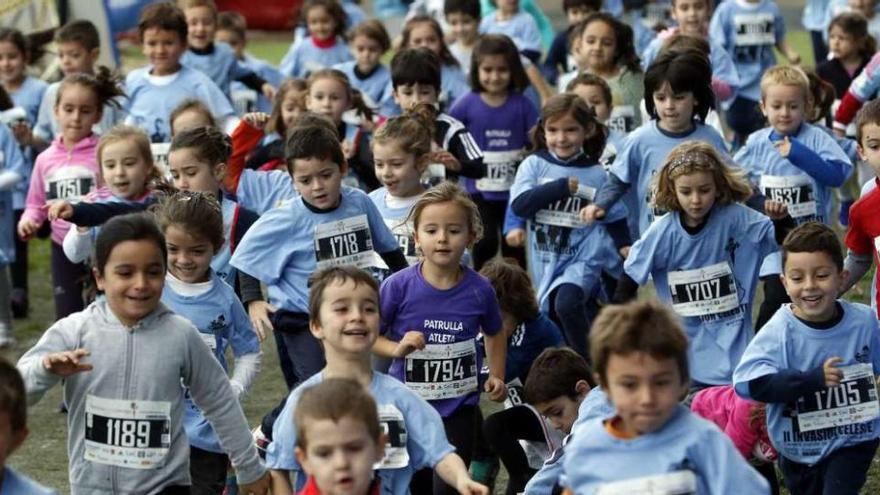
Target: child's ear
{"points": [[861, 152], [220, 171], [582, 388], [315, 328], [763, 108], [303, 459], [94, 54], [99, 280]]}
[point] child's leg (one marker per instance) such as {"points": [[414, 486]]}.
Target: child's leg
{"points": [[492, 213], [67, 282], [207, 470], [175, 490], [503, 431], [304, 350], [801, 478], [570, 311], [459, 428], [820, 49], [846, 469], [284, 361], [5, 310], [768, 471], [774, 297], [18, 271]]}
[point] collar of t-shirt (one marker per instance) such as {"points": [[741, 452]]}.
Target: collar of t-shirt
{"points": [[825, 325], [365, 75], [394, 202], [697, 228], [327, 43], [203, 51], [749, 5], [778, 136], [612, 426], [315, 209], [579, 159], [677, 135], [163, 80], [187, 289]]}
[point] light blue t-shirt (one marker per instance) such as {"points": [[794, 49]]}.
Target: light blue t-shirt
{"points": [[395, 219], [11, 160], [686, 445], [222, 323], [562, 249], [521, 29], [15, 483], [749, 32], [152, 99], [305, 57], [815, 15], [643, 154], [260, 191], [245, 99], [283, 248], [221, 65], [375, 88], [28, 96], [786, 343], [709, 279], [416, 440]]}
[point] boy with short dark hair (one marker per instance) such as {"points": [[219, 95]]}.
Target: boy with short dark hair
{"points": [[13, 432], [157, 89], [344, 316], [79, 46], [815, 364], [463, 18], [337, 419], [652, 442]]}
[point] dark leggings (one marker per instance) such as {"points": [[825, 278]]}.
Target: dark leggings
{"points": [[459, 428], [768, 471], [18, 269], [67, 280], [492, 214], [175, 490], [503, 431], [774, 297], [208, 471], [571, 312], [842, 472]]}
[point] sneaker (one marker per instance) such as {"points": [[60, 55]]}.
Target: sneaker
{"points": [[260, 441], [19, 303]]}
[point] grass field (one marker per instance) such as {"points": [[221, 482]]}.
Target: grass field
{"points": [[44, 456]]}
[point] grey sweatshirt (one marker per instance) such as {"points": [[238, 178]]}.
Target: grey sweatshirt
{"points": [[142, 368]]}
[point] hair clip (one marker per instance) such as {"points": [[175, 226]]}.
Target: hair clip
{"points": [[687, 158]]}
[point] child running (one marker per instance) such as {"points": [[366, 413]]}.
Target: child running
{"points": [[12, 171], [553, 184], [123, 360], [68, 170], [814, 364], [193, 228], [652, 443], [325, 44], [433, 312], [499, 117], [367, 74]]}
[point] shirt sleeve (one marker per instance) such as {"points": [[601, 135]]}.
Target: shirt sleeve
{"points": [[61, 336], [389, 302], [640, 263], [491, 323], [77, 245], [260, 254], [427, 443]]}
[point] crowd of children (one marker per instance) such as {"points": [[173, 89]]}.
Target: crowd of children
{"points": [[426, 230]]}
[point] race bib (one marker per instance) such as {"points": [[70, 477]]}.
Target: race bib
{"points": [[566, 212], [796, 191], [396, 455], [69, 183], [443, 371], [403, 233], [754, 29], [703, 291], [160, 157], [244, 100], [622, 118], [500, 170], [210, 340], [132, 434], [514, 393], [853, 401], [346, 242], [674, 483]]}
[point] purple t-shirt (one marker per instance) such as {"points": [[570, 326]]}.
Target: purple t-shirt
{"points": [[502, 133], [446, 372]]}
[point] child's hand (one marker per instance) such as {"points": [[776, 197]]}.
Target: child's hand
{"points": [[412, 341], [27, 229], [775, 210], [258, 311], [268, 91], [793, 57], [515, 238], [495, 388], [367, 125], [468, 486], [257, 120], [447, 159], [59, 209], [66, 363], [260, 487], [833, 375], [783, 146], [572, 185], [624, 252], [23, 134], [347, 149], [591, 213]]}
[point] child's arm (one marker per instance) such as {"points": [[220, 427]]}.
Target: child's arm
{"points": [[412, 341], [246, 349], [54, 357], [530, 201], [608, 194], [245, 137], [788, 385], [78, 244], [95, 214], [280, 481], [453, 471], [470, 159], [34, 214], [793, 57], [857, 265], [395, 260], [496, 353], [862, 88], [831, 173], [721, 466]]}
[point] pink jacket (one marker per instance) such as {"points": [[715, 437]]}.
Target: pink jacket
{"points": [[61, 174], [732, 414]]}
